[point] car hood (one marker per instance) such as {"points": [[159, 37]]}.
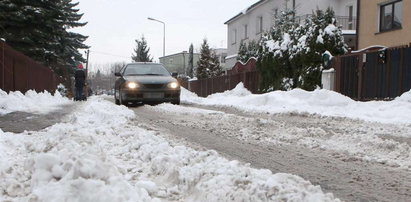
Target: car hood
{"points": [[150, 79]]}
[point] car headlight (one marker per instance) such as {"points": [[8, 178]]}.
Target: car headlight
{"points": [[132, 85], [173, 85]]}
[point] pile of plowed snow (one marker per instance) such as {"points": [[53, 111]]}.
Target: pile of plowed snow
{"points": [[322, 102], [31, 102], [101, 155]]}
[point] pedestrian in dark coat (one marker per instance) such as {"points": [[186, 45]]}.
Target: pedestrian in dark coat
{"points": [[80, 79]]}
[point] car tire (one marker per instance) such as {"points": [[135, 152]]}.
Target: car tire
{"points": [[176, 102], [115, 98], [120, 99]]}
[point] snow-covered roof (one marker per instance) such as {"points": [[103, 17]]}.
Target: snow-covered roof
{"points": [[349, 32], [244, 12], [231, 56], [184, 52]]}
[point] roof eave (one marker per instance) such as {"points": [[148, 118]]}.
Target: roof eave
{"points": [[248, 9]]}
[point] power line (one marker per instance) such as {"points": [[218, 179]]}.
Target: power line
{"points": [[109, 54]]}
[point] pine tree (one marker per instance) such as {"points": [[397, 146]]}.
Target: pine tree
{"points": [[208, 65], [273, 61], [215, 67], [203, 65], [290, 54], [190, 71], [247, 51], [242, 52], [141, 51], [39, 29], [323, 34]]}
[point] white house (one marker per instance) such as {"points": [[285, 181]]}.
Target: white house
{"points": [[221, 53], [252, 22]]}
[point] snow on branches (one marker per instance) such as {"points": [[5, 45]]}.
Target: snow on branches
{"points": [[292, 50]]}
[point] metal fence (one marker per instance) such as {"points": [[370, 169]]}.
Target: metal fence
{"points": [[20, 73], [374, 75]]}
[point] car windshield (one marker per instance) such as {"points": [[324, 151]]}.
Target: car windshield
{"points": [[146, 69]]}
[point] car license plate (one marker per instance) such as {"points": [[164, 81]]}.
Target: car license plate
{"points": [[153, 95]]}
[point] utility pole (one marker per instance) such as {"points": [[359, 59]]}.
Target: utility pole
{"points": [[88, 85], [4, 68], [88, 53]]}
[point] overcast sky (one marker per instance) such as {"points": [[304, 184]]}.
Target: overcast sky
{"points": [[113, 25]]}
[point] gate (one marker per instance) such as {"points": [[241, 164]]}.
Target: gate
{"points": [[374, 75]]}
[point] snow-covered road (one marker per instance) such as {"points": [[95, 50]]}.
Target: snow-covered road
{"points": [[230, 146], [355, 160]]}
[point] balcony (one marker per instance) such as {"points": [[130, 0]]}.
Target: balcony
{"points": [[346, 22]]}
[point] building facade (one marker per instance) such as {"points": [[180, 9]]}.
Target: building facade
{"points": [[179, 62], [251, 23], [384, 22], [221, 53]]}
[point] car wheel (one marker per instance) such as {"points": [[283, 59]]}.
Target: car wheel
{"points": [[177, 102], [115, 98], [121, 101]]}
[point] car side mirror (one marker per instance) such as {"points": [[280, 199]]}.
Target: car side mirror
{"points": [[117, 74], [174, 74]]}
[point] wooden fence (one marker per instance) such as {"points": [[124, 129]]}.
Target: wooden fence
{"points": [[210, 86], [20, 73], [374, 75], [245, 73]]}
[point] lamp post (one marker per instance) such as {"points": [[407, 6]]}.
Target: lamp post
{"points": [[164, 34]]}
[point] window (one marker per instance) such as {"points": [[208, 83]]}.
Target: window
{"points": [[234, 36], [259, 25], [350, 17], [391, 16], [245, 31]]}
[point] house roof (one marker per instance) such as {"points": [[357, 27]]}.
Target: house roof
{"points": [[180, 53], [245, 11]]}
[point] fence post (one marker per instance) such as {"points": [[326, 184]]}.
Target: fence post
{"points": [[212, 85], [337, 81], [206, 87], [359, 68], [4, 67], [229, 81], [401, 72], [201, 88], [387, 75]]}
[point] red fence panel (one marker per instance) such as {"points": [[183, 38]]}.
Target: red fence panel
{"points": [[20, 73], [206, 87]]}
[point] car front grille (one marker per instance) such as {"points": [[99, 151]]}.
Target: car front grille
{"points": [[154, 86]]}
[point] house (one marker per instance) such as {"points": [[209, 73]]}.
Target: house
{"points": [[252, 22], [221, 53], [384, 22], [179, 62]]}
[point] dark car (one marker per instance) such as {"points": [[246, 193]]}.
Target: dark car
{"points": [[146, 83]]}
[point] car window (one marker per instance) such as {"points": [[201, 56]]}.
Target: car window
{"points": [[145, 69]]}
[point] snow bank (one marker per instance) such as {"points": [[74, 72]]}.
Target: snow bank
{"points": [[30, 102], [323, 102], [101, 155]]}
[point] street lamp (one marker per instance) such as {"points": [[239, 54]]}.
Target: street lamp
{"points": [[164, 34]]}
